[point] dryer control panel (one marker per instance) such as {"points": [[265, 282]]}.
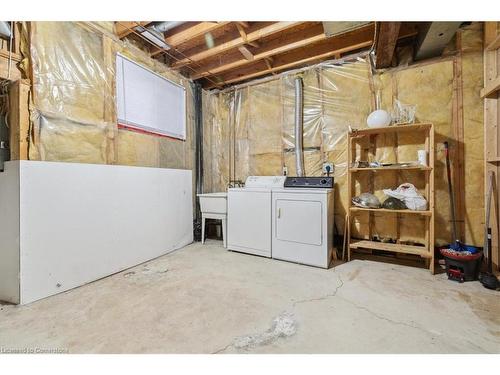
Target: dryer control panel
{"points": [[309, 182], [267, 182]]}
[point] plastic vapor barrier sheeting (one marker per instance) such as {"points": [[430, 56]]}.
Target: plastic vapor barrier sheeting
{"points": [[250, 131], [74, 109]]}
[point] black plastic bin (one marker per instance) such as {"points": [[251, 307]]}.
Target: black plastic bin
{"points": [[463, 268]]}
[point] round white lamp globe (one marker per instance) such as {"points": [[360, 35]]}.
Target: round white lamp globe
{"points": [[378, 119]]}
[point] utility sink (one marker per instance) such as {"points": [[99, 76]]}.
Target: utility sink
{"points": [[213, 206], [213, 203]]}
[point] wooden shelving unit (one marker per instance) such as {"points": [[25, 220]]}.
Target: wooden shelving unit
{"points": [[426, 250]]}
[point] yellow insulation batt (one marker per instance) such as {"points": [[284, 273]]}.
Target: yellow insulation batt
{"points": [[74, 116]]}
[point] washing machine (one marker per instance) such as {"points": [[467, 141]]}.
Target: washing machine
{"points": [[249, 215], [302, 221]]}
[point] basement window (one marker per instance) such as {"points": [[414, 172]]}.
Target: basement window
{"points": [[147, 102]]}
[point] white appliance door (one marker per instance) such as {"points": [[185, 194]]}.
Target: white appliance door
{"points": [[300, 228], [299, 221], [249, 221]]}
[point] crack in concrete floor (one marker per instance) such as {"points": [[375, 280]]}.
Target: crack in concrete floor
{"points": [[378, 316], [295, 303], [256, 340], [432, 334]]}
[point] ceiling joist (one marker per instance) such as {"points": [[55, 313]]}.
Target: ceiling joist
{"points": [[235, 43], [293, 64], [316, 52], [223, 53], [388, 34], [291, 41], [246, 53], [189, 34], [299, 53]]}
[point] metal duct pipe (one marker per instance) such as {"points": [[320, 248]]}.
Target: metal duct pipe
{"points": [[163, 27], [299, 126], [5, 30]]}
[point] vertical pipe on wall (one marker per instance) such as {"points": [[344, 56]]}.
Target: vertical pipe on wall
{"points": [[299, 126], [198, 133]]}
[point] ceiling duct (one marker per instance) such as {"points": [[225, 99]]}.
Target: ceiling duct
{"points": [[155, 32], [5, 31], [299, 126], [153, 36], [434, 37], [337, 28], [163, 27]]}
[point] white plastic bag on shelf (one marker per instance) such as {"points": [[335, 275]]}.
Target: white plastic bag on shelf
{"points": [[409, 194], [403, 113]]}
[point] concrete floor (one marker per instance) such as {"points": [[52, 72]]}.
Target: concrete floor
{"points": [[204, 299]]}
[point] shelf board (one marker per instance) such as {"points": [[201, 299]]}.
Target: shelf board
{"points": [[491, 89], [494, 160], [411, 168], [385, 210], [396, 248], [391, 129]]}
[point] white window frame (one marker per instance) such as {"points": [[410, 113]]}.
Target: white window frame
{"points": [[125, 123]]}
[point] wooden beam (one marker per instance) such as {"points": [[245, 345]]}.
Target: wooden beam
{"points": [[294, 63], [269, 63], [242, 31], [490, 31], [246, 53], [109, 114], [124, 28], [235, 69], [254, 44], [15, 73], [291, 41], [237, 42], [386, 44], [338, 45], [189, 34], [14, 56], [261, 56], [19, 120], [280, 45]]}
